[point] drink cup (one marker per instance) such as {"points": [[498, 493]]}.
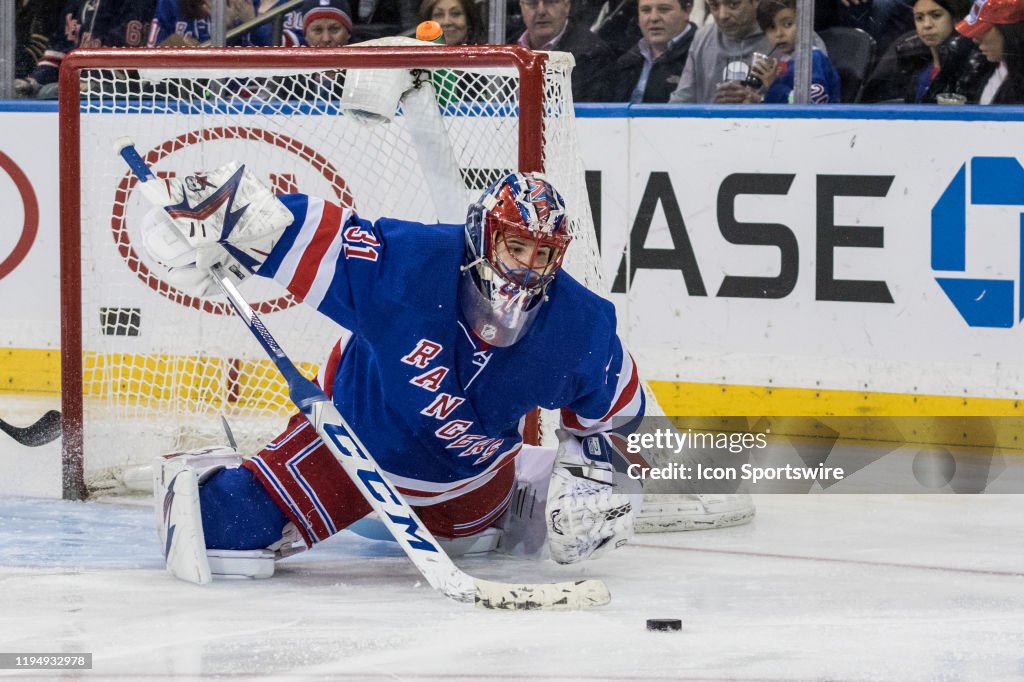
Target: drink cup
{"points": [[950, 98]]}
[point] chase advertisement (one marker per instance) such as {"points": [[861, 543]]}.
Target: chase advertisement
{"points": [[887, 260]]}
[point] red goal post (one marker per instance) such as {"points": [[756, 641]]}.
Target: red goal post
{"points": [[140, 361]]}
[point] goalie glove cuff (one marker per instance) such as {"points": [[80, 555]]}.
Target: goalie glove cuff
{"points": [[585, 515], [588, 458]]}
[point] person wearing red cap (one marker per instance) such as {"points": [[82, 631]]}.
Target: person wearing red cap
{"points": [[326, 23], [997, 26]]}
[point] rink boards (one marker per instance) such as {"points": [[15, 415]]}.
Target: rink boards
{"points": [[761, 260]]}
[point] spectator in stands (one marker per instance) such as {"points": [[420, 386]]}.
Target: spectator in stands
{"points": [[931, 60], [997, 26], [883, 20], [263, 35], [548, 28], [326, 23], [613, 21], [382, 18], [86, 23], [460, 20], [777, 18], [720, 56], [186, 23], [34, 22], [649, 72]]}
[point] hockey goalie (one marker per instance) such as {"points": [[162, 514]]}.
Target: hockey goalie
{"points": [[457, 332]]}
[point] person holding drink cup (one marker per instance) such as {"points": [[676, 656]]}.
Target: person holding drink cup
{"points": [[719, 56], [777, 18], [718, 67]]}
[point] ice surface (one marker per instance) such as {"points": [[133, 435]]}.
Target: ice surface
{"points": [[819, 587]]}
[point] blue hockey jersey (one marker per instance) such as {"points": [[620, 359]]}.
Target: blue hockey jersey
{"points": [[437, 407], [93, 23], [168, 20], [825, 85]]}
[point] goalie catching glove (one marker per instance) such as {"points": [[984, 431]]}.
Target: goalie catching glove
{"points": [[224, 216], [585, 516]]}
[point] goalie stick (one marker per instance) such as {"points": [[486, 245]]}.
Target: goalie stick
{"points": [[403, 523], [45, 430]]}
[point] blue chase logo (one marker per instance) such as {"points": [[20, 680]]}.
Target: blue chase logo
{"points": [[995, 181]]}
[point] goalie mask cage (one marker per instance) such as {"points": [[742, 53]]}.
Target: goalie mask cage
{"points": [[147, 369]]}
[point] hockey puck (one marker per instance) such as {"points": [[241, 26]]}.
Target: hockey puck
{"points": [[664, 624]]}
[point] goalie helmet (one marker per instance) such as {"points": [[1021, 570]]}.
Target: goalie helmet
{"points": [[516, 236]]}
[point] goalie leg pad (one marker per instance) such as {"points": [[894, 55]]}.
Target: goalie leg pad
{"points": [[182, 530], [176, 481], [253, 563], [211, 524], [667, 513], [483, 542]]}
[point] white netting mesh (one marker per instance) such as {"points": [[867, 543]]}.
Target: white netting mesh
{"points": [[161, 368]]}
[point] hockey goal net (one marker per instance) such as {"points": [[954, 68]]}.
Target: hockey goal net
{"points": [[147, 369]]}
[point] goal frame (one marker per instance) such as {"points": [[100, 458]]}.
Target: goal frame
{"points": [[529, 65]]}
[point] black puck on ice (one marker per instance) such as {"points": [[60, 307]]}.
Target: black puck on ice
{"points": [[664, 624]]}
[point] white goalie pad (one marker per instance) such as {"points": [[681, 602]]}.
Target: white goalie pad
{"points": [[176, 482], [524, 531], [372, 528], [253, 563], [179, 522]]}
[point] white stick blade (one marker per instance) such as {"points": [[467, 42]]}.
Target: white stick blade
{"points": [[570, 596]]}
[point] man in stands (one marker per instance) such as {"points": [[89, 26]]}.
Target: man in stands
{"points": [[548, 28], [326, 23], [649, 72], [720, 55]]}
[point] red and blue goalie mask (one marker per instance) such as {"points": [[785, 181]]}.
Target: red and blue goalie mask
{"points": [[516, 237]]}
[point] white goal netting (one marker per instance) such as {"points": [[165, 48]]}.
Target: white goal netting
{"points": [[159, 369]]}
